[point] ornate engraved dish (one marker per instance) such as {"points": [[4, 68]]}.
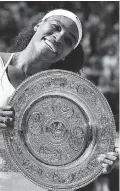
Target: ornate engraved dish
{"points": [[62, 124]]}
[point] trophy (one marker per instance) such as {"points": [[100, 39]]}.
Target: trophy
{"points": [[62, 124]]}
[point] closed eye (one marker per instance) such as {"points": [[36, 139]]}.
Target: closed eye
{"points": [[57, 27], [68, 41]]}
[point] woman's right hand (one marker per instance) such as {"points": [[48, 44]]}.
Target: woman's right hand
{"points": [[7, 115]]}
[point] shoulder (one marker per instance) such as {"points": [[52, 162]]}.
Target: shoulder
{"points": [[5, 56]]}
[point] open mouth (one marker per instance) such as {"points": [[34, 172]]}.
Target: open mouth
{"points": [[50, 45]]}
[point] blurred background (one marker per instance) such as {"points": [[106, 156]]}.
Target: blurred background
{"points": [[100, 43]]}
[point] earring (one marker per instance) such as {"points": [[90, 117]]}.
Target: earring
{"points": [[63, 59], [35, 28]]}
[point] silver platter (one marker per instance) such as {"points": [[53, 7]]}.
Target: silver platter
{"points": [[62, 124]]}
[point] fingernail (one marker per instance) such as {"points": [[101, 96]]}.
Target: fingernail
{"points": [[103, 165], [111, 153], [100, 158], [102, 155], [104, 170], [117, 150]]}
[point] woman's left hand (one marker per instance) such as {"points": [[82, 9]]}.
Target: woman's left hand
{"points": [[108, 160]]}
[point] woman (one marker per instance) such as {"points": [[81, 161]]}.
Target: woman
{"points": [[54, 44]]}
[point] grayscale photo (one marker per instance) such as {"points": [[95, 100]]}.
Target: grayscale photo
{"points": [[59, 96]]}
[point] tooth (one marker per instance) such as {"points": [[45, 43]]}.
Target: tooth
{"points": [[50, 44]]}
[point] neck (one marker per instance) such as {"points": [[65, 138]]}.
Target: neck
{"points": [[26, 62]]}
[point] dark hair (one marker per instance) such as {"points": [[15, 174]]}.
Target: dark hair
{"points": [[73, 62]]}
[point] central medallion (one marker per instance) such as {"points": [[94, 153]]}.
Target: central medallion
{"points": [[56, 131]]}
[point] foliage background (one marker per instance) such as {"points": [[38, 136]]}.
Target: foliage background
{"points": [[100, 43]]}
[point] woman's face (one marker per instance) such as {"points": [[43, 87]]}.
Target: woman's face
{"points": [[54, 39]]}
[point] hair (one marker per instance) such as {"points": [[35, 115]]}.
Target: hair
{"points": [[73, 62]]}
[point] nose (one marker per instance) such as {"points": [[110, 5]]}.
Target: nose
{"points": [[59, 37]]}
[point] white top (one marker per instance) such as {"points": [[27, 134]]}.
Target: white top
{"points": [[6, 88], [10, 180]]}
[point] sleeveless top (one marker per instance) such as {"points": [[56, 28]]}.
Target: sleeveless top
{"points": [[10, 178], [6, 88]]}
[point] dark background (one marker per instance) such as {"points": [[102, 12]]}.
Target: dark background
{"points": [[100, 43]]}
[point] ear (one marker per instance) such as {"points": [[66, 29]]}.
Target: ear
{"points": [[37, 26]]}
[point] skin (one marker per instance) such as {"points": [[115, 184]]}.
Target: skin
{"points": [[42, 56], [53, 40]]}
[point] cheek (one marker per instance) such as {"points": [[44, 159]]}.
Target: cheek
{"points": [[66, 51], [45, 29]]}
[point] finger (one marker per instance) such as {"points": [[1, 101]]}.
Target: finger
{"points": [[7, 108], [101, 157], [111, 157], [117, 150], [2, 119], [8, 122], [7, 113], [106, 168], [113, 153], [105, 171], [3, 126], [107, 161]]}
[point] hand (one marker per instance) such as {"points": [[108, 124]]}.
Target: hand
{"points": [[108, 160], [6, 117]]}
